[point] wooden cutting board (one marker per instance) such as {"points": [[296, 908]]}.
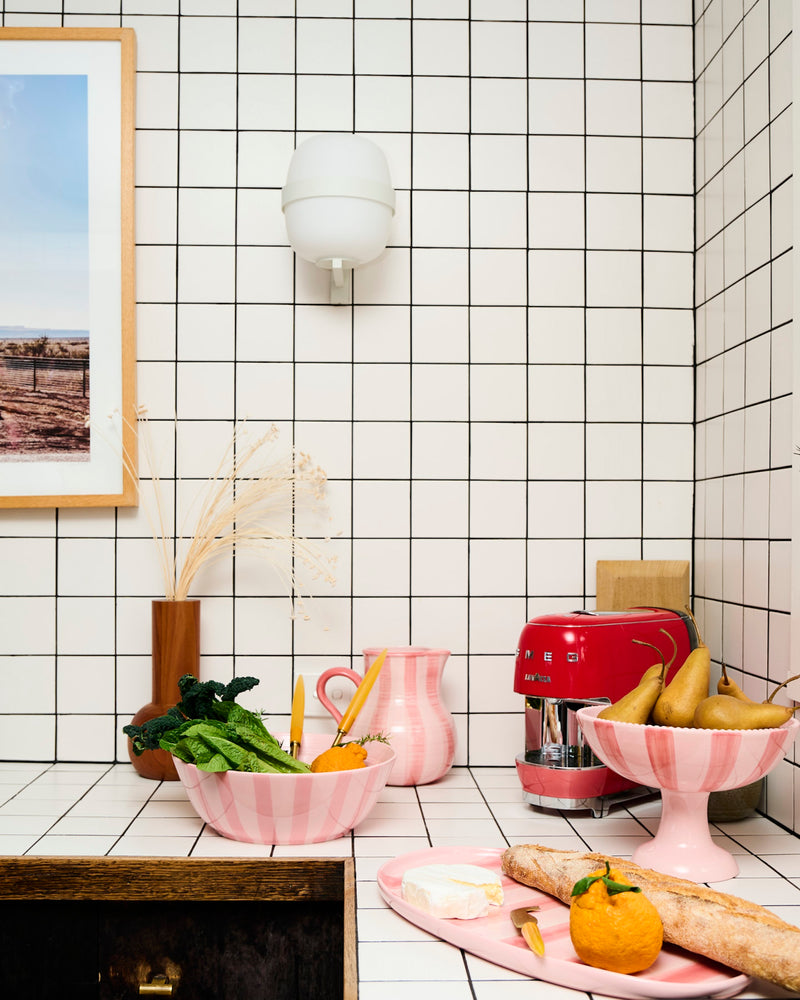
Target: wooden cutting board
{"points": [[630, 583]]}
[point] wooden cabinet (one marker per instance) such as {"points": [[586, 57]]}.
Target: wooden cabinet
{"points": [[199, 929]]}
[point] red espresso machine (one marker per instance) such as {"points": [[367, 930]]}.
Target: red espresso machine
{"points": [[567, 661]]}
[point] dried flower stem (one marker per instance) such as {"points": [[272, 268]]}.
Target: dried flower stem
{"points": [[250, 501]]}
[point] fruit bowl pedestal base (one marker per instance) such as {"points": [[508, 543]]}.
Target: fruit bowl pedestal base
{"points": [[682, 845]]}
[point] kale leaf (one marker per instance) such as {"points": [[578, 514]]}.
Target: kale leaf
{"points": [[208, 729]]}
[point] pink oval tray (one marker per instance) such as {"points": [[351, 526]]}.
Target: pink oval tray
{"points": [[675, 973]]}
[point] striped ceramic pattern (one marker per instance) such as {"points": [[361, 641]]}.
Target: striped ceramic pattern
{"points": [[406, 705], [689, 760], [675, 973], [288, 808]]}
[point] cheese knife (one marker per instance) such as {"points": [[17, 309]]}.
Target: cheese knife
{"points": [[525, 922]]}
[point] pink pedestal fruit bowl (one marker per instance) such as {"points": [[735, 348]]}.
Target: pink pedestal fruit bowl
{"points": [[687, 765], [288, 808]]}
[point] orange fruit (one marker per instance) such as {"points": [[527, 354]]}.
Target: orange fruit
{"points": [[613, 925], [341, 758]]}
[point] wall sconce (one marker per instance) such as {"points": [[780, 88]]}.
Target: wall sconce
{"points": [[338, 204]]}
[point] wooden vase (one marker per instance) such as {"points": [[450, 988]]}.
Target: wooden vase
{"points": [[176, 651]]}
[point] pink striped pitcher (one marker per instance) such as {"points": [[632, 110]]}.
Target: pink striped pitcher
{"points": [[405, 705]]}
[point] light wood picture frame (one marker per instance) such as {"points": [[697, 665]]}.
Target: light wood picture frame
{"points": [[67, 279]]}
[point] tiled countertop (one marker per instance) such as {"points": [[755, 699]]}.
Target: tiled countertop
{"points": [[100, 809]]}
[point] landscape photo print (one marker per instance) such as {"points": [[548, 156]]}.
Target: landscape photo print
{"points": [[67, 350]]}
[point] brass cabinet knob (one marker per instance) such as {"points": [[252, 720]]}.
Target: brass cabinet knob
{"points": [[159, 986]]}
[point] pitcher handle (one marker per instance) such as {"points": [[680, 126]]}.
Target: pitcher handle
{"points": [[322, 681]]}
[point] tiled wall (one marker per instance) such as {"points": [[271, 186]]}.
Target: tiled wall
{"points": [[744, 447], [510, 398]]}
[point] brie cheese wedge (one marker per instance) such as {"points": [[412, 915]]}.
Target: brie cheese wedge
{"points": [[461, 891]]}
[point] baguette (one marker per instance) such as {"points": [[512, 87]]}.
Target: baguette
{"points": [[724, 928]]}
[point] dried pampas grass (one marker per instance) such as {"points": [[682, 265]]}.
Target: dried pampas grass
{"points": [[251, 501]]}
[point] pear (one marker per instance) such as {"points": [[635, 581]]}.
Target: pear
{"points": [[636, 705], [724, 711], [677, 702], [726, 686]]}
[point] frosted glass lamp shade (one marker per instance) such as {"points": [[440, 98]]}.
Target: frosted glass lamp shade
{"points": [[338, 204]]}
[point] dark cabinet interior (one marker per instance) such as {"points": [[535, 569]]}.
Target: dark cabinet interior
{"points": [[198, 929]]}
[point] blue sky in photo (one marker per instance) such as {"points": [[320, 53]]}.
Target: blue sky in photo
{"points": [[44, 201]]}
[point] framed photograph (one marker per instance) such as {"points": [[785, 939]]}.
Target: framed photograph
{"points": [[67, 295]]}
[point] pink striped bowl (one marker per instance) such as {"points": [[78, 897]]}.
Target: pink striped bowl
{"points": [[687, 765], [288, 808], [686, 760]]}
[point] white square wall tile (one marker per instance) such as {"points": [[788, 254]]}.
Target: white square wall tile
{"points": [[440, 218], [324, 45], [86, 567], [496, 451], [613, 392], [440, 509], [667, 109], [381, 450], [382, 46], [441, 104], [381, 567], [439, 567], [556, 163], [614, 278], [322, 391], [441, 161], [555, 50], [206, 274], [667, 52], [266, 45], [156, 102], [497, 510], [498, 277], [556, 277], [556, 392], [440, 392], [614, 451], [613, 107], [496, 567], [208, 101], [555, 510], [208, 45], [498, 106], [21, 687], [614, 221], [441, 48], [495, 162], [381, 509], [383, 103], [497, 219], [614, 163], [27, 737], [556, 107], [556, 450], [613, 51], [381, 392], [613, 336], [556, 221], [439, 276], [498, 48], [667, 509], [555, 566], [613, 510]]}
